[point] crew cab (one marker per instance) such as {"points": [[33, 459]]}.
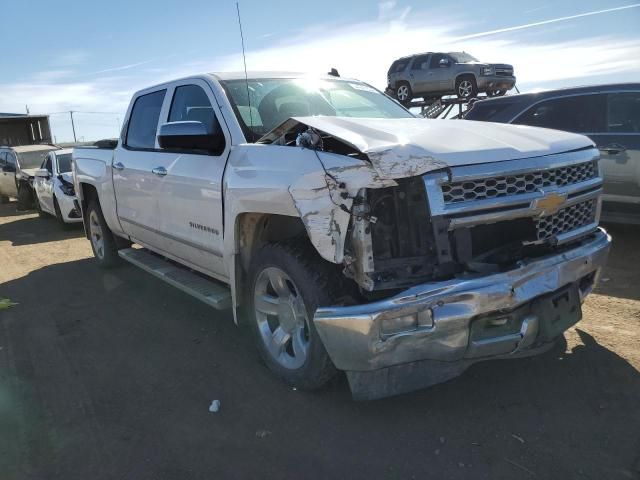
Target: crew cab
{"points": [[347, 233], [54, 189]]}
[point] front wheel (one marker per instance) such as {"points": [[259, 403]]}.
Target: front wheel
{"points": [[25, 198], [288, 283], [466, 87], [102, 240]]}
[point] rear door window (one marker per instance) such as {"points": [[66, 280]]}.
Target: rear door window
{"points": [[143, 123], [421, 62], [623, 112], [398, 66], [579, 114]]}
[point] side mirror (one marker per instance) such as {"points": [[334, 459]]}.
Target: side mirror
{"points": [[42, 173], [189, 135], [444, 63]]}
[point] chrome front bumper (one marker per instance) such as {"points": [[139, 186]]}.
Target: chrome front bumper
{"points": [[353, 337]]}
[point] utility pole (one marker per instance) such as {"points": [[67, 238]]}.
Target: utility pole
{"points": [[27, 109], [73, 127]]}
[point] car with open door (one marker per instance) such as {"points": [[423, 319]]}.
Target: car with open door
{"points": [[53, 185], [608, 114]]}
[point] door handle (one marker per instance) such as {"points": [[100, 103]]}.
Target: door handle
{"points": [[613, 149], [160, 171], [118, 166]]}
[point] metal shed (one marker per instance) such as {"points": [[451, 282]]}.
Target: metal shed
{"points": [[20, 129]]}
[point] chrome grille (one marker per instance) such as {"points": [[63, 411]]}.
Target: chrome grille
{"points": [[496, 187], [565, 220], [504, 72]]}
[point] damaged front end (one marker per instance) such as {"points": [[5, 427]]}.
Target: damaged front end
{"points": [[457, 259]]}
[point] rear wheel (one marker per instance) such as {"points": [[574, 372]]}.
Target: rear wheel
{"points": [[466, 87], [102, 240], [404, 93], [288, 283]]}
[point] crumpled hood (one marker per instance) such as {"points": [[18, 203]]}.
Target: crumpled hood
{"points": [[448, 143]]}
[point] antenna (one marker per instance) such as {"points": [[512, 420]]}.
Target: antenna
{"points": [[244, 59]]}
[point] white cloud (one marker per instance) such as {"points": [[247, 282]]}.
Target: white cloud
{"points": [[70, 58]]}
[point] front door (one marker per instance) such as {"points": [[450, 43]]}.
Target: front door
{"points": [[620, 148], [136, 185], [439, 74], [44, 186], [190, 192]]}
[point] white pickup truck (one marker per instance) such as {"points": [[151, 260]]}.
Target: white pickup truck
{"points": [[347, 233]]}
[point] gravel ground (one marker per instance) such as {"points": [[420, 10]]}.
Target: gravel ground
{"points": [[109, 375]]}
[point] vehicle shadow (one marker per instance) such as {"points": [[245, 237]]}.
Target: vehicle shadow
{"points": [[10, 210], [33, 230], [621, 276], [118, 366]]}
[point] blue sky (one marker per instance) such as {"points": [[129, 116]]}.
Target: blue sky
{"points": [[73, 55]]}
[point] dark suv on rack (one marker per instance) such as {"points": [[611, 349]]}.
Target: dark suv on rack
{"points": [[431, 74]]}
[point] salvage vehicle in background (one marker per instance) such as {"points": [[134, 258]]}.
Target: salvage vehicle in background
{"points": [[432, 75], [608, 114], [349, 234], [53, 184], [17, 169]]}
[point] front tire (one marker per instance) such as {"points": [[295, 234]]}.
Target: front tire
{"points": [[102, 239], [288, 282], [496, 93], [25, 198], [466, 87]]}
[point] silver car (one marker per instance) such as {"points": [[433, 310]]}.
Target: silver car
{"points": [[436, 74]]}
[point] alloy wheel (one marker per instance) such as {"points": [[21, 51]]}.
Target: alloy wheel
{"points": [[465, 88], [282, 318], [95, 232], [403, 93]]}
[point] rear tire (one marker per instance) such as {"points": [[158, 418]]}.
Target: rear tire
{"points": [[102, 239], [288, 282], [403, 93], [466, 87]]}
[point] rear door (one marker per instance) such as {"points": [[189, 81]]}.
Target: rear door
{"points": [[135, 184], [419, 74], [619, 145], [190, 192]]}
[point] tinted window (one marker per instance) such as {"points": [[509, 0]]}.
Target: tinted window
{"points": [[421, 62], [580, 114], [487, 111], [435, 60], [3, 156], [190, 103], [64, 162], [398, 66], [47, 164], [143, 122], [624, 112]]}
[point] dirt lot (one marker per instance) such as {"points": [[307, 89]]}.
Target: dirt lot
{"points": [[109, 375]]}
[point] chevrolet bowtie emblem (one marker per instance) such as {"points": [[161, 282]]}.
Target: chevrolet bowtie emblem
{"points": [[550, 203]]}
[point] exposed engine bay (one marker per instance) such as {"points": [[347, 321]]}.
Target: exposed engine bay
{"points": [[395, 241]]}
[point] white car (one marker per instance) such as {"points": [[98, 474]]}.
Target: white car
{"points": [[54, 189]]}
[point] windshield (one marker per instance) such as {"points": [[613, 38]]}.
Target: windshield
{"points": [[32, 159], [275, 100], [463, 57], [64, 162]]}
